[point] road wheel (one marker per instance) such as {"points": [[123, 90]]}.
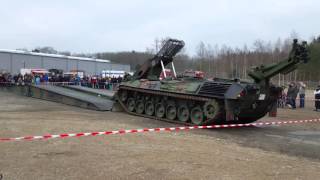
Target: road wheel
{"points": [[160, 110], [183, 113], [131, 104], [139, 107], [149, 108], [211, 109], [197, 115], [171, 110]]}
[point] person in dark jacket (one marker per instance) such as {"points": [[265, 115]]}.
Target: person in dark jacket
{"points": [[317, 98], [292, 95], [302, 94]]}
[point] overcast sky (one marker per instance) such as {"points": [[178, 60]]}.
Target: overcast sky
{"points": [[124, 25]]}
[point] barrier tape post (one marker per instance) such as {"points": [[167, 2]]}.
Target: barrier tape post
{"points": [[49, 136]]}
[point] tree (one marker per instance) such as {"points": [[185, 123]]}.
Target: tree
{"points": [[201, 53], [66, 53], [46, 49]]}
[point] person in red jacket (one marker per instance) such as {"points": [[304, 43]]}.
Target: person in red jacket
{"points": [[94, 82]]}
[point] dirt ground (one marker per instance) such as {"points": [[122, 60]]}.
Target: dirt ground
{"points": [[277, 152]]}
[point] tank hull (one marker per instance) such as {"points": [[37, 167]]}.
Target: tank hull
{"points": [[194, 102]]}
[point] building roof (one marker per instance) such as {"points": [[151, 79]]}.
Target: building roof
{"points": [[52, 55]]}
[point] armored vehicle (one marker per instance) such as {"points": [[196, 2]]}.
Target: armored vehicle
{"points": [[192, 100]]}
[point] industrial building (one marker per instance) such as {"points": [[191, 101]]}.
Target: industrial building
{"points": [[14, 60]]}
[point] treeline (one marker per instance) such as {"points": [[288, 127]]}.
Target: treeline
{"points": [[235, 62], [227, 62], [222, 61]]}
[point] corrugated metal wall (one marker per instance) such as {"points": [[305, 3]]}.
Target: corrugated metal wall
{"points": [[20, 61], [12, 63], [5, 62], [54, 63], [89, 67], [72, 65]]}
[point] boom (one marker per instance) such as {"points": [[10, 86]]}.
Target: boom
{"points": [[152, 68], [298, 54]]}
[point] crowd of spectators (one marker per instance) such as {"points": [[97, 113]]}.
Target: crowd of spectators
{"points": [[294, 92], [97, 82], [289, 96], [19, 79]]}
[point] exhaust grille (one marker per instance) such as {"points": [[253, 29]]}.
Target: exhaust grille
{"points": [[214, 89]]}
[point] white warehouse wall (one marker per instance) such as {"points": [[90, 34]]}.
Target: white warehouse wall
{"points": [[12, 62]]}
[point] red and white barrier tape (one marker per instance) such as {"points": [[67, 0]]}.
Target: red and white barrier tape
{"points": [[49, 136]]}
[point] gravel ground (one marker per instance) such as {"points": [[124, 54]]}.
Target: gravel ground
{"points": [[278, 152]]}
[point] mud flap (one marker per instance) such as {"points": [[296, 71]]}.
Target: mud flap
{"points": [[273, 110], [230, 111], [232, 107]]}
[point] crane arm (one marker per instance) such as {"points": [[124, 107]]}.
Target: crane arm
{"points": [[298, 54]]}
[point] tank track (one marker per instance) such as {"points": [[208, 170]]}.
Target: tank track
{"points": [[167, 94]]}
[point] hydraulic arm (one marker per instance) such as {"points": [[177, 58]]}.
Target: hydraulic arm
{"points": [[299, 54]]}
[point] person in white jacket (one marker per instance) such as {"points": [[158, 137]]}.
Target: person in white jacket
{"points": [[317, 98]]}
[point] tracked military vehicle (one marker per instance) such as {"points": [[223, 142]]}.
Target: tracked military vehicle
{"points": [[191, 100]]}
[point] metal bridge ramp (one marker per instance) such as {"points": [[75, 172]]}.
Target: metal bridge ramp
{"points": [[71, 97], [97, 92]]}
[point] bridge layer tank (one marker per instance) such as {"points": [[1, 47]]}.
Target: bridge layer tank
{"points": [[190, 100]]}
